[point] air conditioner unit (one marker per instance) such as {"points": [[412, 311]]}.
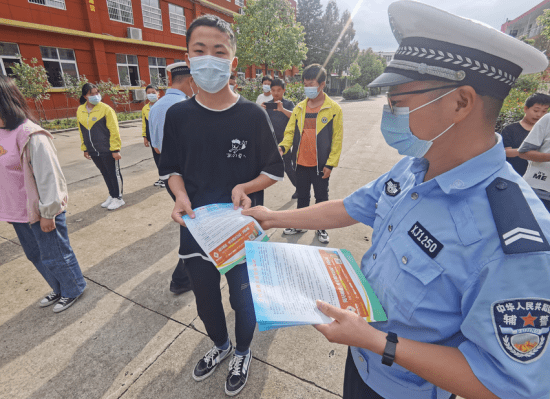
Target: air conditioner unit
{"points": [[134, 33], [139, 95]]}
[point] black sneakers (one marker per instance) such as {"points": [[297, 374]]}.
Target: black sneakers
{"points": [[178, 290], [206, 366], [291, 231], [323, 236], [64, 303], [238, 373], [50, 299]]}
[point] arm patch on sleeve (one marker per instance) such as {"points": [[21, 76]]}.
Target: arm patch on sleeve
{"points": [[517, 227]]}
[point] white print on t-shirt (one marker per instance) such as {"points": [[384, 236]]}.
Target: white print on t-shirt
{"points": [[236, 146]]}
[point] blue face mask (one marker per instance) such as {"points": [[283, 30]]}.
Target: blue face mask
{"points": [[94, 100], [311, 92], [397, 133], [152, 97], [266, 88], [210, 73]]}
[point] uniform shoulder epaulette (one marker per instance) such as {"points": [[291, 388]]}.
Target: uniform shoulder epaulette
{"points": [[517, 228]]}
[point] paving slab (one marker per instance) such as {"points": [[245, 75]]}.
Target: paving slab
{"points": [[170, 377]]}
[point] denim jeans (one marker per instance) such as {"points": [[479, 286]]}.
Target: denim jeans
{"points": [[52, 255]]}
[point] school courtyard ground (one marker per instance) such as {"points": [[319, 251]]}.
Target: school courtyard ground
{"points": [[128, 336]]}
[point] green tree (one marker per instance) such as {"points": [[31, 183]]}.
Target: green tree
{"points": [[117, 95], [32, 81], [73, 88], [354, 72], [309, 13], [347, 49], [371, 66], [268, 34]]}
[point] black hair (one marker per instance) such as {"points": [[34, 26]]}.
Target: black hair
{"points": [[151, 87], [278, 82], [233, 77], [88, 87], [267, 78], [214, 22], [179, 78], [537, 98], [315, 71], [14, 109]]}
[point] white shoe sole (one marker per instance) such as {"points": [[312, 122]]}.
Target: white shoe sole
{"points": [[235, 393], [45, 305], [67, 307], [204, 377], [120, 206], [294, 232]]}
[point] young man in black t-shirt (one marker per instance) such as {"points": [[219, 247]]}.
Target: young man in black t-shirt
{"points": [[536, 106], [218, 148]]}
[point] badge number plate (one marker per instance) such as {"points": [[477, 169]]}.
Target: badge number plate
{"points": [[427, 242]]}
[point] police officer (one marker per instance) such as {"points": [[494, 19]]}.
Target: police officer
{"points": [[460, 258]]}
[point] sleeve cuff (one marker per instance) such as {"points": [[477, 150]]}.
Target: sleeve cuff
{"points": [[272, 177], [328, 166], [526, 147]]}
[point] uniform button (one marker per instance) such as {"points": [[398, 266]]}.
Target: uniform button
{"points": [[374, 256], [361, 359], [390, 228], [376, 205], [502, 185], [414, 196], [404, 260]]}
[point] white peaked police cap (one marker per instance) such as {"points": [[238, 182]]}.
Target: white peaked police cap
{"points": [[437, 45], [178, 68]]}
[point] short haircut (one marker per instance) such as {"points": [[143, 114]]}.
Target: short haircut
{"points": [[267, 78], [14, 109], [537, 98], [214, 22], [278, 82], [315, 71], [180, 78], [151, 87]]}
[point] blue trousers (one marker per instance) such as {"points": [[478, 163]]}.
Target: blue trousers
{"points": [[206, 286], [52, 255]]}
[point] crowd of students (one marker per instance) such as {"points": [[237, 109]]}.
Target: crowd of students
{"points": [[445, 301]]}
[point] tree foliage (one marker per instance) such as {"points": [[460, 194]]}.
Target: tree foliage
{"points": [[309, 14], [32, 81], [73, 88], [371, 66], [268, 34], [354, 72]]}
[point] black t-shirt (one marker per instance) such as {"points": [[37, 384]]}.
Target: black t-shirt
{"points": [[279, 120], [512, 136], [214, 151]]}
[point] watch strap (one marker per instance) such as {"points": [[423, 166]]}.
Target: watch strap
{"points": [[389, 351]]}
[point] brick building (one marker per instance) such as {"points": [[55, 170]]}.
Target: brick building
{"points": [[526, 24], [126, 41]]}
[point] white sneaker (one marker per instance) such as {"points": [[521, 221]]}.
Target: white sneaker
{"points": [[107, 203], [116, 203]]}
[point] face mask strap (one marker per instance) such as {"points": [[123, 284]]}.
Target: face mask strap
{"points": [[422, 106], [445, 131]]}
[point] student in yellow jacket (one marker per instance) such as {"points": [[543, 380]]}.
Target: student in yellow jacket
{"points": [[98, 125], [314, 132], [152, 96]]}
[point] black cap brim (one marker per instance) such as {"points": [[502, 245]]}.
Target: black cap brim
{"points": [[389, 79]]}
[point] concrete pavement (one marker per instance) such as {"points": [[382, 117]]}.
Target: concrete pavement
{"points": [[128, 336]]}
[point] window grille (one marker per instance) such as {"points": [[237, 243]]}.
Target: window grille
{"points": [[50, 3], [157, 71], [9, 55], [121, 10], [177, 20], [152, 17], [239, 3], [128, 70]]}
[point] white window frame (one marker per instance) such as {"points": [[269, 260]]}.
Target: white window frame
{"points": [[151, 13], [118, 5], [11, 57], [60, 61], [178, 24], [127, 64], [50, 3], [157, 67], [239, 3], [260, 73]]}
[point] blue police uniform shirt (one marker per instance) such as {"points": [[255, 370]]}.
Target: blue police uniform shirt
{"points": [[444, 276], [157, 115]]}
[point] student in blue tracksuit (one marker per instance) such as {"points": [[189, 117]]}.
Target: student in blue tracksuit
{"points": [[460, 258]]}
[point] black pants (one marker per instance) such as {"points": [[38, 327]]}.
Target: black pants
{"points": [[355, 387], [156, 157], [289, 169], [110, 169], [208, 296], [305, 178]]}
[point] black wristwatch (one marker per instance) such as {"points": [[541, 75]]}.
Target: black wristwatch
{"points": [[389, 350]]}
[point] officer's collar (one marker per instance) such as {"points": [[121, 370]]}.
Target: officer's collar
{"points": [[474, 170], [175, 91]]}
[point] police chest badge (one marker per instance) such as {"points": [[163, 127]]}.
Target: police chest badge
{"points": [[392, 188], [521, 327]]}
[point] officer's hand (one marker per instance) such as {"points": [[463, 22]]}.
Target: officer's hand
{"points": [[182, 207], [348, 328], [146, 142], [47, 225], [86, 155], [326, 172], [263, 215], [239, 198], [117, 156], [157, 150]]}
